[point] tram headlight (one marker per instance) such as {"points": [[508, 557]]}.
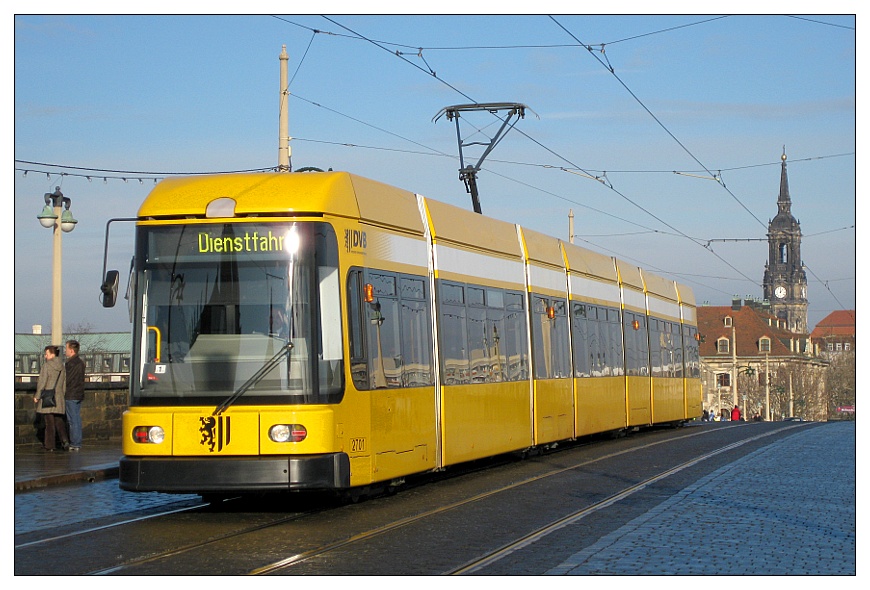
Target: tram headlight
{"points": [[149, 434], [281, 433]]}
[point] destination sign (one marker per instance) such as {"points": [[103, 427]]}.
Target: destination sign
{"points": [[200, 241], [256, 241]]}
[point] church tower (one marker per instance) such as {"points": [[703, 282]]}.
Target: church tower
{"points": [[785, 281]]}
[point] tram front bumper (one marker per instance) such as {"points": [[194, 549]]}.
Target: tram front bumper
{"points": [[195, 475]]}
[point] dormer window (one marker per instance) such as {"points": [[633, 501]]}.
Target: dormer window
{"points": [[764, 344], [728, 321], [723, 345]]}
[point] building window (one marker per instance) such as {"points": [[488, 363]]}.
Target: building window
{"points": [[764, 345], [728, 321], [847, 346], [723, 380], [839, 346], [783, 253], [722, 346]]}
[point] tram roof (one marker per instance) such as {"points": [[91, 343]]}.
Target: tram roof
{"points": [[347, 195], [332, 193]]}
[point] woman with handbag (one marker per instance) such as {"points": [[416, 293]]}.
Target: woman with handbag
{"points": [[49, 397]]}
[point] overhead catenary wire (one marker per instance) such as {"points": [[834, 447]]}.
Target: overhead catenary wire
{"points": [[663, 222], [98, 172], [417, 50], [431, 72], [568, 161], [657, 120]]}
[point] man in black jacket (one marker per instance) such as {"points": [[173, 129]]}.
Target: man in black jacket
{"points": [[75, 393]]}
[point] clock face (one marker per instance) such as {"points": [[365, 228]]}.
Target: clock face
{"points": [[780, 292]]}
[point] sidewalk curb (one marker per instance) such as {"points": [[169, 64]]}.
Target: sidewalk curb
{"points": [[90, 473]]}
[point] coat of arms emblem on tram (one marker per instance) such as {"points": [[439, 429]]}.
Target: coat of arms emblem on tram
{"points": [[215, 432]]}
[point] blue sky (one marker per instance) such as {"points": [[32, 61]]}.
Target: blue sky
{"points": [[145, 97]]}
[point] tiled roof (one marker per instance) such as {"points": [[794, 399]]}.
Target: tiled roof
{"points": [[750, 326], [836, 323]]}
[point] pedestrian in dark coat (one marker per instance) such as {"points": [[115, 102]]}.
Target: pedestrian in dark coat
{"points": [[52, 375], [75, 393]]}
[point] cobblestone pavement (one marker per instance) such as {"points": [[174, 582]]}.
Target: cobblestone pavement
{"points": [[79, 487], [790, 510], [78, 503]]}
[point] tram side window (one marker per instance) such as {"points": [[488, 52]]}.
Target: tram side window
{"points": [[616, 356], [516, 340], [478, 345], [383, 334], [672, 332], [580, 340], [452, 323], [677, 340], [594, 342], [495, 334], [390, 335], [691, 352], [356, 331], [636, 344], [604, 351], [416, 336], [655, 347], [482, 334], [550, 338]]}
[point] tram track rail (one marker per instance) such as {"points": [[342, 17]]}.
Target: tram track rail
{"points": [[484, 560], [356, 540], [95, 529]]}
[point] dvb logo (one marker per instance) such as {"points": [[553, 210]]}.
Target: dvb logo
{"points": [[354, 240]]}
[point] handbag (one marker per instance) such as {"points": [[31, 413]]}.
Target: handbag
{"points": [[47, 396]]}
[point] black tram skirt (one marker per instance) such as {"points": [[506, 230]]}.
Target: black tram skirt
{"points": [[195, 475]]}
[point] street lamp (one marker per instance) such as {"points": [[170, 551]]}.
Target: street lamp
{"points": [[767, 386], [52, 217]]}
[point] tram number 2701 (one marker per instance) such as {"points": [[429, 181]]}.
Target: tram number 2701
{"points": [[357, 445]]}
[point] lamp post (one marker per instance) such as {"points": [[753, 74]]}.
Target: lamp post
{"points": [[767, 386], [52, 217], [734, 360], [749, 371]]}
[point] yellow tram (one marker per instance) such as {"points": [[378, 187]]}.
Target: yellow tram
{"points": [[323, 331]]}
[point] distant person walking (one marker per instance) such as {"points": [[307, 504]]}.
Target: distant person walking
{"points": [[75, 393], [735, 414], [49, 398]]}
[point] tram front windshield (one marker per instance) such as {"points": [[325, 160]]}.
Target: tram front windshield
{"points": [[237, 306]]}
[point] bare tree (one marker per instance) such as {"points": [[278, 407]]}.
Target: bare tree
{"points": [[841, 384], [94, 343]]}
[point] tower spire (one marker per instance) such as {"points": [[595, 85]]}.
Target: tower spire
{"points": [[784, 200]]}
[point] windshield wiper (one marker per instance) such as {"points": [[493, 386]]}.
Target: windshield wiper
{"points": [[255, 378]]}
